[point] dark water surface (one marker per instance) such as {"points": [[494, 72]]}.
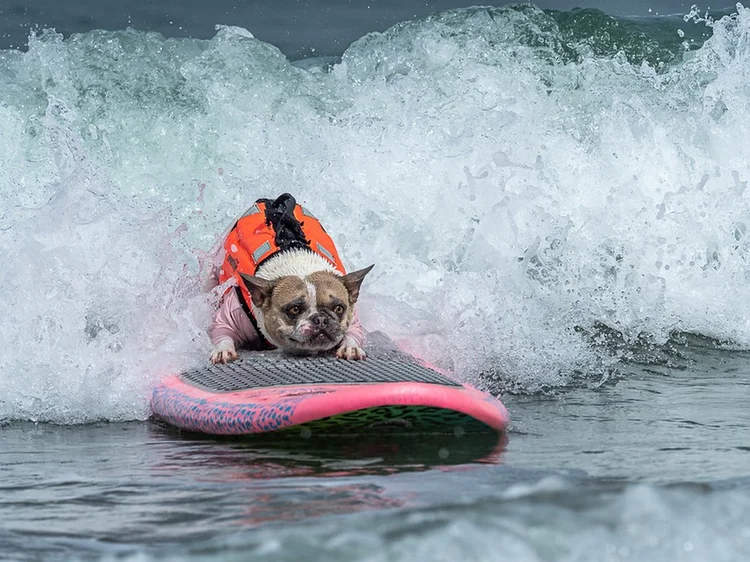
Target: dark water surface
{"points": [[655, 466], [300, 28]]}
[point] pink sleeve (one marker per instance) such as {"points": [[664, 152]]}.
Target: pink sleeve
{"points": [[355, 330], [231, 322]]}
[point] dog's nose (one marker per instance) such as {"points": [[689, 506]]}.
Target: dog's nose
{"points": [[320, 321]]}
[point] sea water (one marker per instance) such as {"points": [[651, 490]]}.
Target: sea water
{"points": [[557, 207]]}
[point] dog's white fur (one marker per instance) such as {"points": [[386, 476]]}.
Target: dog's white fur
{"points": [[299, 262]]}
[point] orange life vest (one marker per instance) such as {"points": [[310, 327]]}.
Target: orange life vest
{"points": [[252, 241]]}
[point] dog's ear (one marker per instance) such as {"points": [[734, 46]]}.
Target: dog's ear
{"points": [[353, 280], [260, 289]]}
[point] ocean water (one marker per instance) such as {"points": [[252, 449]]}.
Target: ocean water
{"points": [[556, 203]]}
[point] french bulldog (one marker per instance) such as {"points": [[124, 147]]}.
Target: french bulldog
{"points": [[301, 305]]}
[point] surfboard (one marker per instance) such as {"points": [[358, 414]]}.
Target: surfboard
{"points": [[268, 392]]}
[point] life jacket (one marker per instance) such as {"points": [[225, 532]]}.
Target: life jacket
{"points": [[255, 239]]}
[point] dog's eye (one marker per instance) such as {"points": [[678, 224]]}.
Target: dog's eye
{"points": [[339, 309], [293, 311]]}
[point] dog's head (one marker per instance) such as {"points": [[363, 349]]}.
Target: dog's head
{"points": [[307, 314]]}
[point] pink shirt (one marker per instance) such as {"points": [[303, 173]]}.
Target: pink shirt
{"points": [[231, 322]]}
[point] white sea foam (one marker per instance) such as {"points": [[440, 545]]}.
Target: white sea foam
{"points": [[511, 199]]}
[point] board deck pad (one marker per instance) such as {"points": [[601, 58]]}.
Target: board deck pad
{"points": [[269, 392], [266, 370]]}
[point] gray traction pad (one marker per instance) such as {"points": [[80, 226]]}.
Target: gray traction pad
{"points": [[264, 369]]}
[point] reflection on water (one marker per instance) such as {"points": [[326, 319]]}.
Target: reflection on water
{"points": [[144, 480], [270, 456]]}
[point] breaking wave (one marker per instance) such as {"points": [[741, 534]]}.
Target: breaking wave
{"points": [[527, 184]]}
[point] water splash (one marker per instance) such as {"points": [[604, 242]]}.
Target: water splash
{"points": [[518, 187]]}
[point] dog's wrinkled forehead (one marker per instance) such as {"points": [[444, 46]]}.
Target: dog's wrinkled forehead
{"points": [[321, 286], [328, 287], [288, 289]]}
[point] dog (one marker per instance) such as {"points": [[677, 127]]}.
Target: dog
{"points": [[290, 291]]}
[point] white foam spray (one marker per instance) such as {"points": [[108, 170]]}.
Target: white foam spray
{"points": [[511, 199]]}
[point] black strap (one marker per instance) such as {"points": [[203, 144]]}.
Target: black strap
{"points": [[280, 216], [264, 343]]}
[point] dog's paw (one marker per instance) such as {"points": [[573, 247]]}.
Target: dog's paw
{"points": [[224, 352], [350, 350]]}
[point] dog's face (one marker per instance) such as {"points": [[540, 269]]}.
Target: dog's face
{"points": [[308, 314]]}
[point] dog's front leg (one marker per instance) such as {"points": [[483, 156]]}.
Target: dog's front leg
{"points": [[224, 352], [350, 350]]}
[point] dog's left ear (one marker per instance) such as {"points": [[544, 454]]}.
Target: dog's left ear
{"points": [[353, 280], [260, 289]]}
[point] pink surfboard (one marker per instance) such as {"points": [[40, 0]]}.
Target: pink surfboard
{"points": [[269, 392]]}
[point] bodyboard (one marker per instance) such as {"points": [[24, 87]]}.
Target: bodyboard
{"points": [[315, 396]]}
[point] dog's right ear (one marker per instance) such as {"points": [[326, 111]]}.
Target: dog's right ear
{"points": [[260, 289], [352, 282]]}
